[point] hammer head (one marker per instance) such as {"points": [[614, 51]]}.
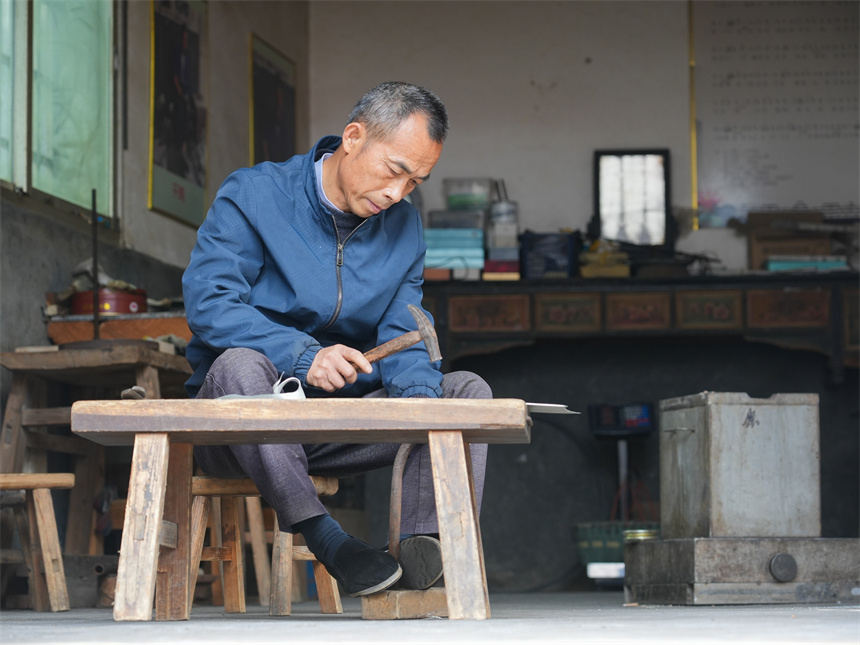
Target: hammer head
{"points": [[428, 333]]}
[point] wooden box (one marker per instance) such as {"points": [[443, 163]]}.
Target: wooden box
{"points": [[736, 466]]}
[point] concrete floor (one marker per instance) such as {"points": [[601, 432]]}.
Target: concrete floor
{"points": [[578, 617]]}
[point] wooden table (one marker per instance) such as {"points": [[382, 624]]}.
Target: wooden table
{"points": [[97, 372], [164, 432]]}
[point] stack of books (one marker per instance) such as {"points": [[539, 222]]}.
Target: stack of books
{"points": [[503, 251], [604, 264], [501, 270], [459, 251], [807, 262]]}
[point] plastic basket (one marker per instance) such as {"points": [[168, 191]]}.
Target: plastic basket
{"points": [[467, 193], [549, 255]]}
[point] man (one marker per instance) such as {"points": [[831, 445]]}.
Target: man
{"points": [[301, 266]]}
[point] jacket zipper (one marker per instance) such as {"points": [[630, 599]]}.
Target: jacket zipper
{"points": [[338, 265]]}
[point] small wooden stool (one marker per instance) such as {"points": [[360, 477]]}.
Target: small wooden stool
{"points": [[37, 531], [230, 552]]}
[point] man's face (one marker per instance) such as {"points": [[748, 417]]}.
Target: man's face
{"points": [[375, 174]]}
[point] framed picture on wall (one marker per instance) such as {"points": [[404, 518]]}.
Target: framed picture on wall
{"points": [[273, 103], [177, 153]]}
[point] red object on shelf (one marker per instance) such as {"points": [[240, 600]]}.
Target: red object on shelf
{"points": [[111, 302]]}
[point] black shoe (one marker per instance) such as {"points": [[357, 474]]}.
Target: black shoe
{"points": [[362, 569], [421, 559]]}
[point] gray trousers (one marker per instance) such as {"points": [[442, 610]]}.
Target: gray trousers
{"points": [[281, 471]]}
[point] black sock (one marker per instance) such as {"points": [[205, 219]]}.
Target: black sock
{"points": [[323, 535]]}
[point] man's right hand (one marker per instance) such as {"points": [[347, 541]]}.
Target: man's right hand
{"points": [[335, 366]]}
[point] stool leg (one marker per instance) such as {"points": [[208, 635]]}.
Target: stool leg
{"points": [[327, 590], [215, 540], [199, 519], [32, 552], [41, 508], [234, 569], [259, 548], [281, 593]]}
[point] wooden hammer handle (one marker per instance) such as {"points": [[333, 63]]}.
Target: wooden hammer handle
{"points": [[393, 346]]}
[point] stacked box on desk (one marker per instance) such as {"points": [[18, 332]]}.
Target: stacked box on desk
{"points": [[806, 262], [503, 252], [454, 248]]}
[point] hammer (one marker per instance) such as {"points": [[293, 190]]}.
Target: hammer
{"points": [[424, 332]]}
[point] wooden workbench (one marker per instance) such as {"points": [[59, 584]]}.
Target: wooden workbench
{"points": [[159, 500]]}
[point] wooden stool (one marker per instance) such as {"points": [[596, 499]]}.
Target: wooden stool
{"points": [[230, 551], [37, 531]]}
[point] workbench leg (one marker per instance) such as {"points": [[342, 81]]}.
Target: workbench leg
{"points": [[175, 564], [138, 557], [459, 532], [89, 481]]}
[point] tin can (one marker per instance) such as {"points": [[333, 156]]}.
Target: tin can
{"points": [[112, 302]]}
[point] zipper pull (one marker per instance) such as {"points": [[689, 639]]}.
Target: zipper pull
{"points": [[340, 255]]}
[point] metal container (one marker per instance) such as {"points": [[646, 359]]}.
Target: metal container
{"points": [[735, 466], [112, 302]]}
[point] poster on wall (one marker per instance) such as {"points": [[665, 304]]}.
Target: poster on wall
{"points": [[273, 103], [776, 96], [177, 169]]}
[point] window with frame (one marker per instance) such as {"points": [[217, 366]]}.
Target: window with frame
{"points": [[7, 87], [70, 146]]}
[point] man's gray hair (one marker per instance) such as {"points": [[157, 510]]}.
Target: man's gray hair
{"points": [[386, 106]]}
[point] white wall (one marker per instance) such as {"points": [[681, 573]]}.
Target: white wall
{"points": [[284, 25], [532, 88]]}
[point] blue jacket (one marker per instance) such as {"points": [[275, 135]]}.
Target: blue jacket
{"points": [[266, 274]]}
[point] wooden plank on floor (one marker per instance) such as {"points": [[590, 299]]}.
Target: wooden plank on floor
{"points": [[405, 604]]}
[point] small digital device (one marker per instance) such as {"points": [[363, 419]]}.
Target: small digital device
{"points": [[629, 419]]}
